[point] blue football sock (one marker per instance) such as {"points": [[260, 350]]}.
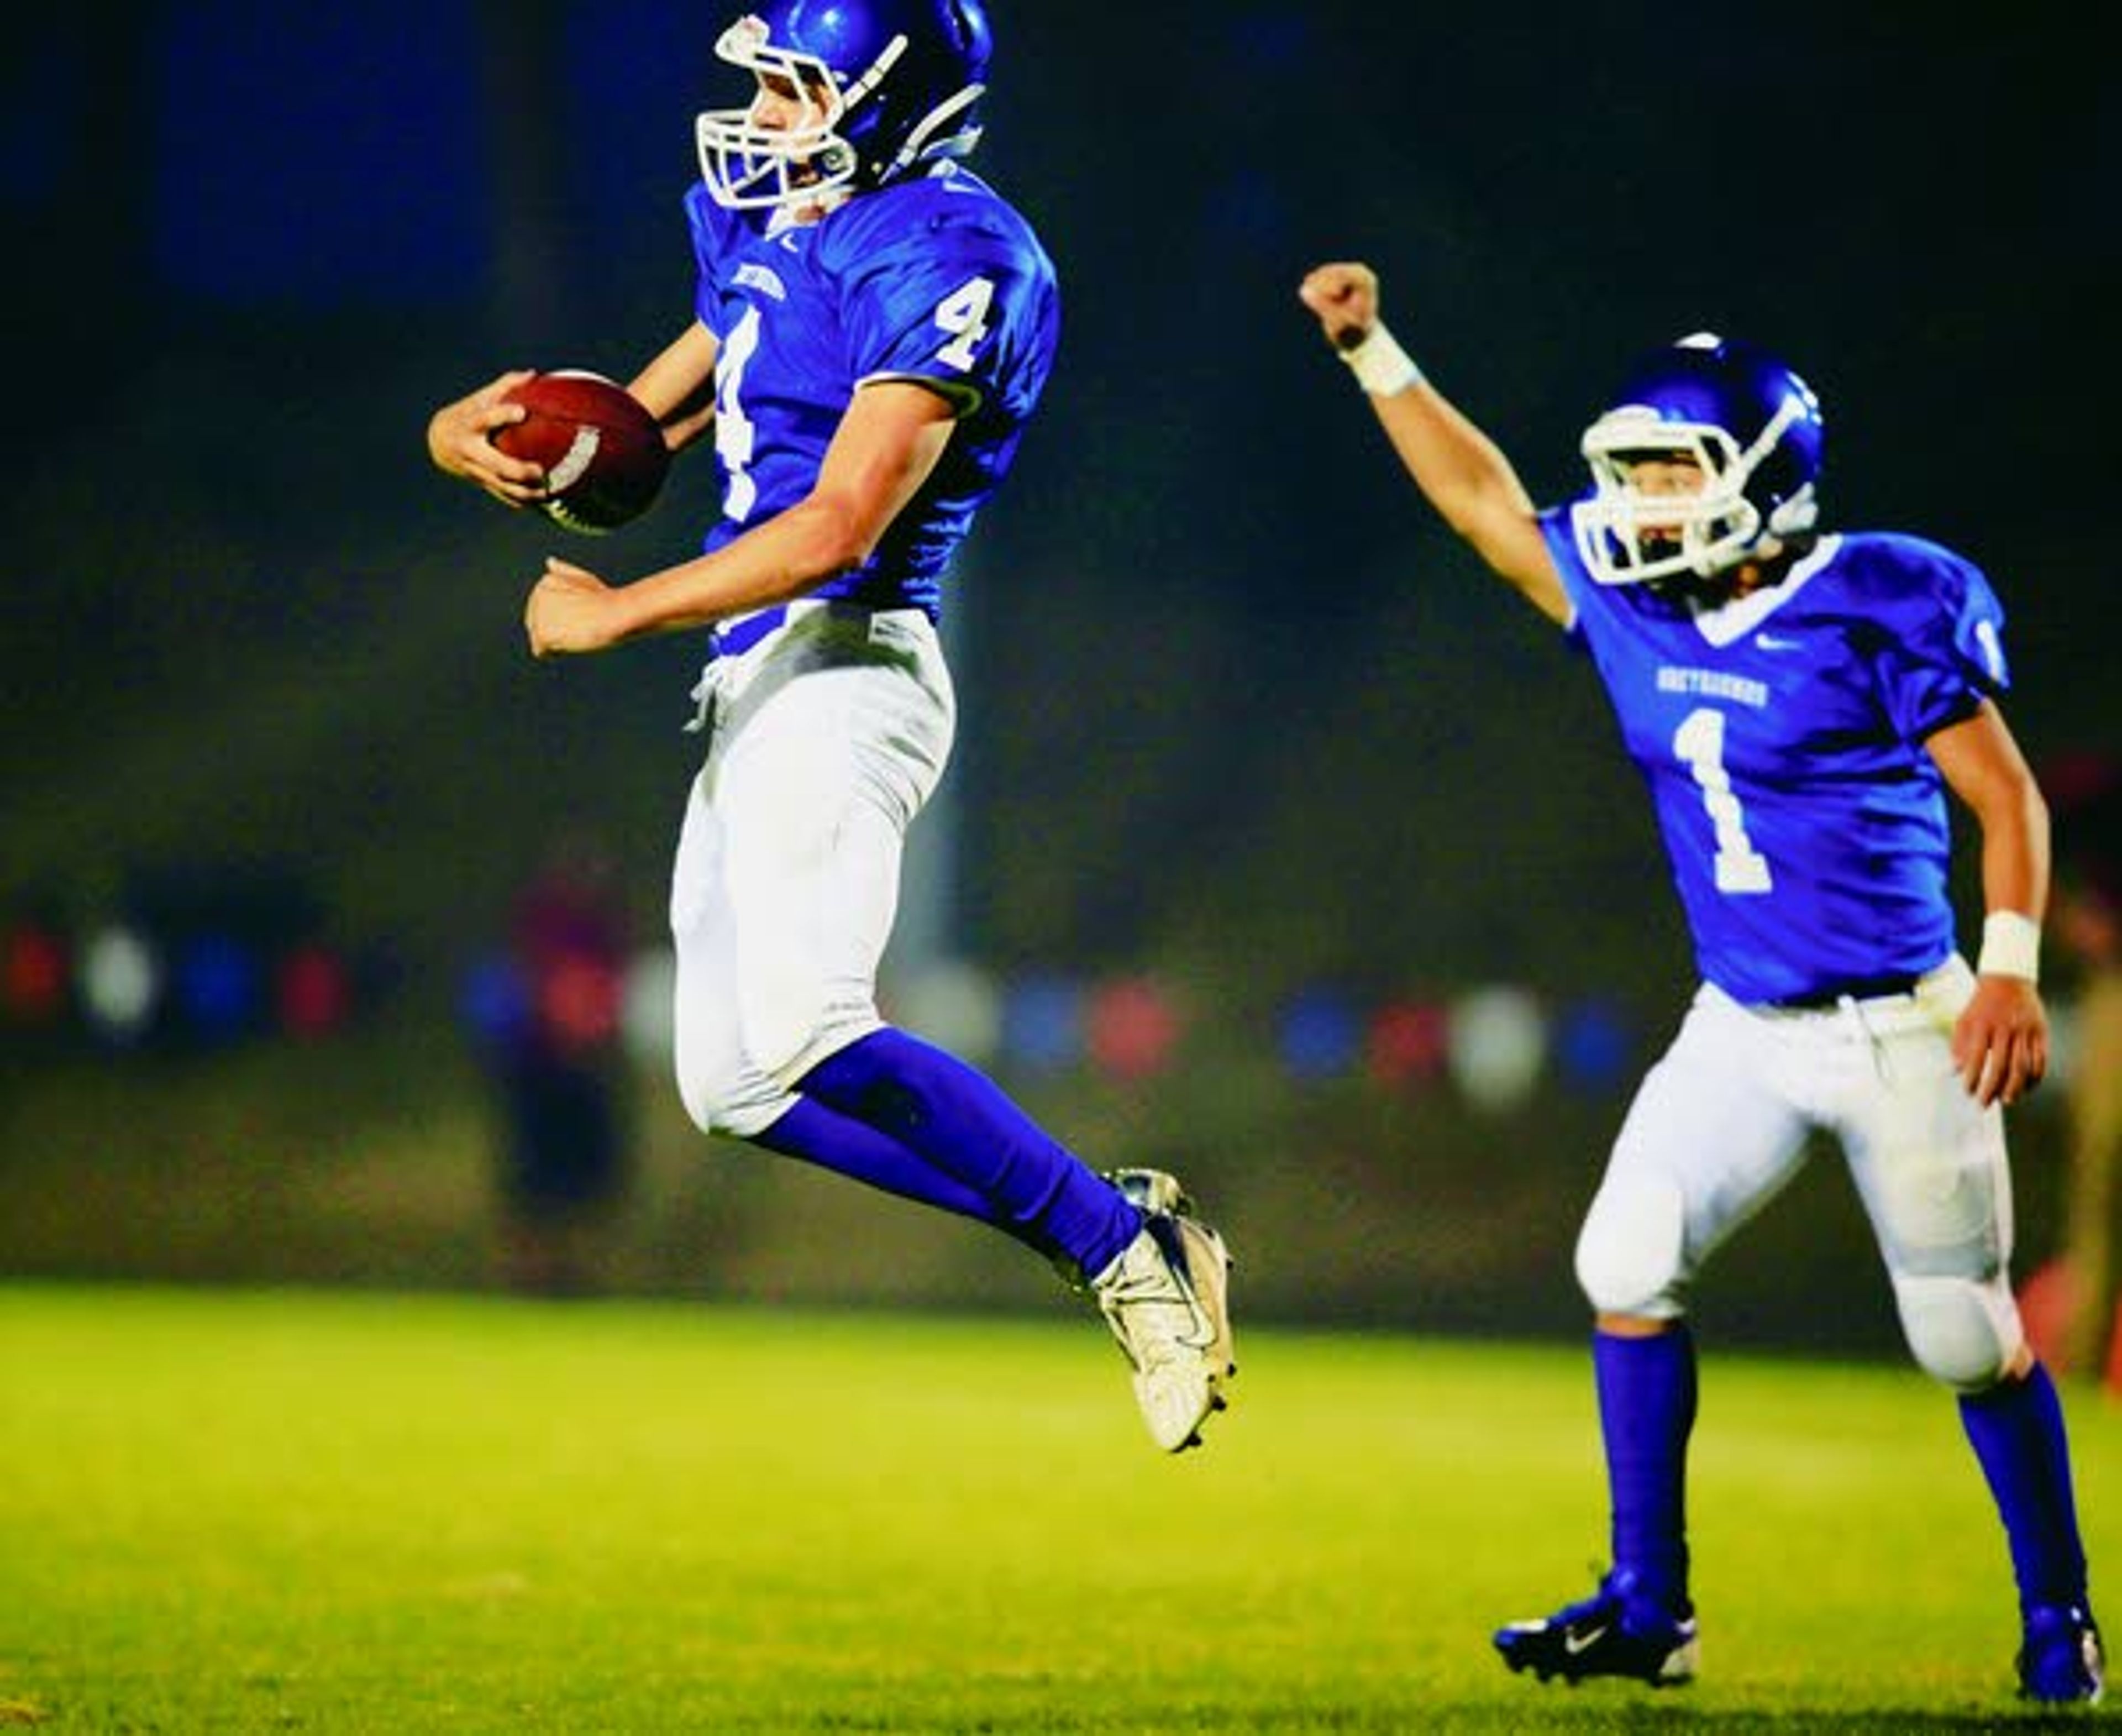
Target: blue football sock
{"points": [[2018, 1433], [829, 1139], [933, 1105], [1647, 1394]]}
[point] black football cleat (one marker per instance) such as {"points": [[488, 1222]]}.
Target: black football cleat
{"points": [[1604, 1636]]}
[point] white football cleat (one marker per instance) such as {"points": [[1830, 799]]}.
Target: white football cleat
{"points": [[1167, 1297]]}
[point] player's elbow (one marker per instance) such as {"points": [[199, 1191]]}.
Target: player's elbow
{"points": [[1510, 545], [836, 539], [1486, 518]]}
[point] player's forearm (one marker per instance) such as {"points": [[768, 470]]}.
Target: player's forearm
{"points": [[1461, 472], [787, 557], [1983, 768], [2015, 853], [678, 384], [1470, 482]]}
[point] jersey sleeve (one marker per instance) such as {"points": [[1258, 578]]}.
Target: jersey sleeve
{"points": [[1943, 650], [1561, 539], [958, 301], [709, 225]]}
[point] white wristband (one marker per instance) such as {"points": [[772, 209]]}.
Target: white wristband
{"points": [[1381, 367], [2011, 946]]}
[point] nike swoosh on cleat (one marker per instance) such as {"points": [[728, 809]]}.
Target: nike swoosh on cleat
{"points": [[1574, 1643]]}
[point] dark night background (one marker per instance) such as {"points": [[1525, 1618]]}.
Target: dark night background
{"points": [[1234, 708]]}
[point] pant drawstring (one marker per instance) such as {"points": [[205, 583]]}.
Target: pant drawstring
{"points": [[1853, 1009]]}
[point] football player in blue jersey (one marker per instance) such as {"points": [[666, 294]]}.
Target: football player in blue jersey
{"points": [[1799, 703], [872, 325]]}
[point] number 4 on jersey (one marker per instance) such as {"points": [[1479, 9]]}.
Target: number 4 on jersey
{"points": [[964, 314]]}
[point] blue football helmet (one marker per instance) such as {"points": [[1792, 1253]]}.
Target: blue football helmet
{"points": [[884, 84], [1734, 412]]}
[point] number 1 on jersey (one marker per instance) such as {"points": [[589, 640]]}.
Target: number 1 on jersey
{"points": [[734, 433], [1699, 743]]}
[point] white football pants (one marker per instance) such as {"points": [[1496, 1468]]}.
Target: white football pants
{"points": [[827, 736], [1720, 1124]]}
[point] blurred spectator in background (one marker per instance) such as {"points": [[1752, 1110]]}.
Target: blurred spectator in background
{"points": [[559, 1070], [2086, 920]]}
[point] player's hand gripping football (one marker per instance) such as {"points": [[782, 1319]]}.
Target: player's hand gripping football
{"points": [[460, 441], [2000, 1043], [571, 610], [1345, 297]]}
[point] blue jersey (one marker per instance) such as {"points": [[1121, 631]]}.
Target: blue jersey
{"points": [[934, 278], [1781, 736]]}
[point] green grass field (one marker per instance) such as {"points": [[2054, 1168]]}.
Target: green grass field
{"points": [[253, 1511]]}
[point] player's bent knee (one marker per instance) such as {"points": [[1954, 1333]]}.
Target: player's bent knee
{"points": [[701, 1094], [787, 1038], [1630, 1251], [782, 1044], [732, 1099], [1963, 1333]]}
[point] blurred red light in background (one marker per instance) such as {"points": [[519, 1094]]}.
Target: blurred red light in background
{"points": [[580, 1000], [1132, 1028], [32, 973], [1409, 1042], [313, 992]]}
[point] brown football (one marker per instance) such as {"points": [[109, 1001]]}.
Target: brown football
{"points": [[604, 456]]}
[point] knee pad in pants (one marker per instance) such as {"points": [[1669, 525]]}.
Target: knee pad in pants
{"points": [[1629, 1253], [1963, 1331]]}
